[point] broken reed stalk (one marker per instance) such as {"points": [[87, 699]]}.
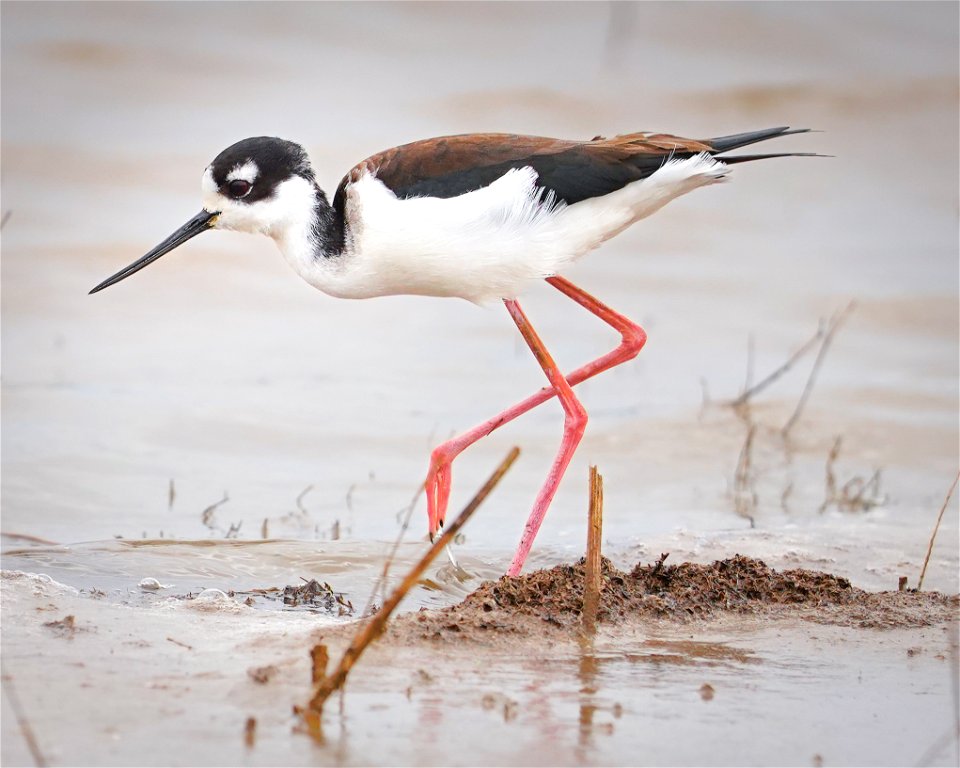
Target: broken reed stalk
{"points": [[831, 330], [592, 576], [375, 627], [936, 528]]}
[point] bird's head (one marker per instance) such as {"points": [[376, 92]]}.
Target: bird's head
{"points": [[262, 185]]}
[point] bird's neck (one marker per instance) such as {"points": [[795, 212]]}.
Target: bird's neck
{"points": [[326, 228], [312, 235]]}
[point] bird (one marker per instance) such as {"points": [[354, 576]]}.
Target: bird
{"points": [[480, 217]]}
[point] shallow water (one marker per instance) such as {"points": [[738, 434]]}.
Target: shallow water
{"points": [[216, 373], [731, 692]]}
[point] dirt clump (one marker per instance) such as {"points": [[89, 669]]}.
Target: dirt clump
{"points": [[677, 593], [314, 594]]}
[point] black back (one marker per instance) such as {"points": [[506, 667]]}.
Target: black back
{"points": [[571, 170]]}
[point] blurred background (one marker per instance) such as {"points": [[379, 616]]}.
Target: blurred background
{"points": [[217, 375]]}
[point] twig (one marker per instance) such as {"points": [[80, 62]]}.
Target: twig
{"points": [[832, 327], [748, 380], [375, 627], [300, 506], [319, 658], [766, 382], [659, 564], [592, 576], [705, 398], [857, 494], [25, 729], [382, 579], [936, 528], [831, 480], [784, 496], [207, 515], [744, 497], [6, 218]]}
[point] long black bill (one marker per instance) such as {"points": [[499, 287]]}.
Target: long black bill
{"points": [[199, 223]]}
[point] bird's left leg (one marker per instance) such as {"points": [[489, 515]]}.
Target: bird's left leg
{"points": [[575, 422], [438, 480]]}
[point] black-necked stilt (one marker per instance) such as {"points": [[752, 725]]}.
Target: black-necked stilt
{"points": [[477, 216]]}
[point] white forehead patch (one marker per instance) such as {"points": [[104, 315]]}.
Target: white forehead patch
{"points": [[207, 184], [248, 172]]}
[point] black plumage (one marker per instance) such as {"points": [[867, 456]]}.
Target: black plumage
{"points": [[572, 170]]}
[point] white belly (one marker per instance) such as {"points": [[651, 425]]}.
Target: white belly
{"points": [[487, 244]]}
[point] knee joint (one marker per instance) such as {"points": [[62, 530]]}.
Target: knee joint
{"points": [[634, 337]]}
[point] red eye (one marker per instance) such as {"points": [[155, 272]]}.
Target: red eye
{"points": [[239, 188]]}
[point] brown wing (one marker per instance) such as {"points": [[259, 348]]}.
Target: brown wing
{"points": [[573, 170]]}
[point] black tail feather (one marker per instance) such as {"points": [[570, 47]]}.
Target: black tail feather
{"points": [[726, 143], [748, 158]]}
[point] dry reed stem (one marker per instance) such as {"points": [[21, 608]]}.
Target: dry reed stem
{"points": [[831, 330], [250, 732], [319, 658], [381, 583], [744, 496], [375, 627], [748, 381], [857, 494], [831, 481], [207, 516], [299, 501], [936, 528], [25, 729], [592, 575], [766, 382]]}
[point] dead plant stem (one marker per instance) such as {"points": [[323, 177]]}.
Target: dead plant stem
{"points": [[382, 579], [25, 729], [744, 494], [593, 566], [831, 330], [936, 528], [375, 627], [766, 382]]}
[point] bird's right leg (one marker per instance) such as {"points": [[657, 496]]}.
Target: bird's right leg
{"points": [[633, 337]]}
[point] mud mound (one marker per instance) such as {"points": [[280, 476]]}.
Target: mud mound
{"points": [[679, 593]]}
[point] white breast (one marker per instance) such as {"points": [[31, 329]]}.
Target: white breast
{"points": [[483, 245]]}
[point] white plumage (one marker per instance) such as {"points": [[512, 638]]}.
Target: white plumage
{"points": [[483, 245]]}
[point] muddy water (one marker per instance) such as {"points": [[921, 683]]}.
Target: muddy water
{"points": [[217, 374], [731, 692]]}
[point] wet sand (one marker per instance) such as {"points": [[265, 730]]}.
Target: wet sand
{"points": [[734, 665], [214, 394]]}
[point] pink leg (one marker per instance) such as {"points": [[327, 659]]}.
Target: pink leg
{"points": [[574, 423], [438, 478]]}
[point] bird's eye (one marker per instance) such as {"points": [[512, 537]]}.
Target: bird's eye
{"points": [[239, 188]]}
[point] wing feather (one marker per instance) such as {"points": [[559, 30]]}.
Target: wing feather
{"points": [[573, 171]]}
